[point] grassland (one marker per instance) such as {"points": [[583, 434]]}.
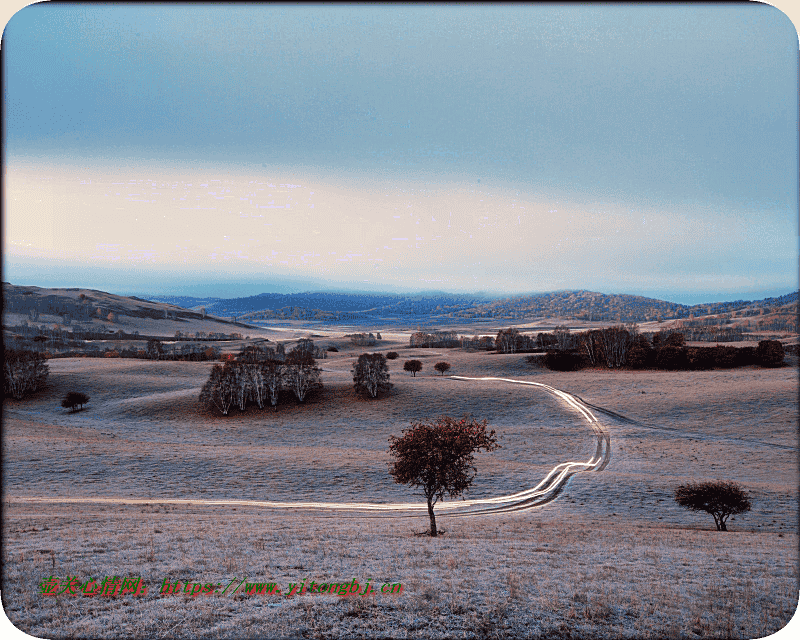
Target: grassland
{"points": [[614, 556]]}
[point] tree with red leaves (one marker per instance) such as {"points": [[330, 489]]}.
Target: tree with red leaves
{"points": [[438, 456]]}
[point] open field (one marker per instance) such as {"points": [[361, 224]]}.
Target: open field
{"points": [[614, 556]]}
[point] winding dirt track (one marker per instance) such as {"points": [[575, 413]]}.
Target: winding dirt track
{"points": [[546, 491]]}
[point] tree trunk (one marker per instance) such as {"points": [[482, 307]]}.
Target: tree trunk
{"points": [[433, 519]]}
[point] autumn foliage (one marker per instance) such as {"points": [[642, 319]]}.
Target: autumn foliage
{"points": [[438, 457]]}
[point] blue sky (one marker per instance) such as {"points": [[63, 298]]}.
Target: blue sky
{"points": [[225, 150]]}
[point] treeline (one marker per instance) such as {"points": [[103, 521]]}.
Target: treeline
{"points": [[259, 375], [450, 340], [61, 336], [23, 372], [616, 347]]}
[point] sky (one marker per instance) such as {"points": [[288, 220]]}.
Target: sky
{"points": [[233, 150]]}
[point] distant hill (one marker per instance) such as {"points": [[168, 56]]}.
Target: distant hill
{"points": [[333, 305], [94, 307], [578, 305], [98, 311]]}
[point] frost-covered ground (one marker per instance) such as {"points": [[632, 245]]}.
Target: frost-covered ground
{"points": [[613, 557]]}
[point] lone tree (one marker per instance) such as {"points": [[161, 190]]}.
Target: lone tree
{"points": [[441, 367], [720, 499], [438, 456], [371, 375], [413, 366], [73, 399]]}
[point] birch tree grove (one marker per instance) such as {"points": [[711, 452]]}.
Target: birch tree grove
{"points": [[23, 372], [301, 379], [272, 372], [219, 390], [614, 342], [371, 375]]}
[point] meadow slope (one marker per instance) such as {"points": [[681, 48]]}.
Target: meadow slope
{"points": [[612, 557]]}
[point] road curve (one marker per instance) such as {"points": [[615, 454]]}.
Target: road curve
{"points": [[546, 491]]}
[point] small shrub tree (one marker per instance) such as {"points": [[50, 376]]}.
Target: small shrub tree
{"points": [[413, 366], [438, 457], [392, 355], [73, 399], [769, 353], [441, 367], [371, 375], [720, 499]]}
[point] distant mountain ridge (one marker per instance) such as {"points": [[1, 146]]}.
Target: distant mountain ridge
{"points": [[581, 305]]}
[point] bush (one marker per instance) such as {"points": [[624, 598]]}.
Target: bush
{"points": [[726, 357], [563, 360], [700, 358], [769, 353], [672, 358], [641, 354], [333, 350], [74, 398], [747, 356], [392, 355]]}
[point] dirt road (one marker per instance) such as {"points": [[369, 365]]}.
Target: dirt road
{"points": [[546, 491]]}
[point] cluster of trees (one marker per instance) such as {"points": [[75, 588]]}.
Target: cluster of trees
{"points": [[450, 340], [257, 376], [157, 350], [24, 372], [363, 339], [618, 346], [480, 343], [438, 339], [714, 333], [512, 341], [371, 375]]}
